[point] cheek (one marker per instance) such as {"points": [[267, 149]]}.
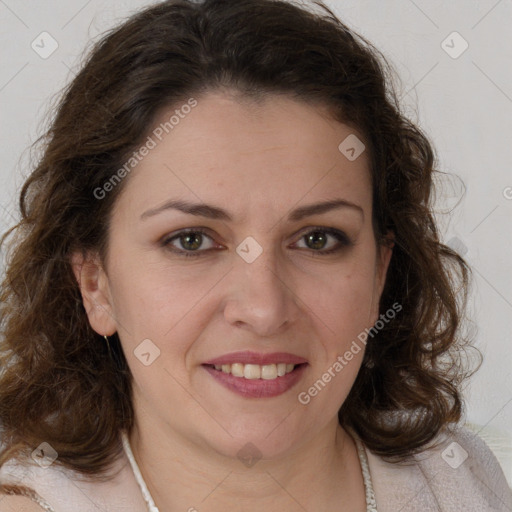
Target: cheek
{"points": [[341, 308], [343, 301], [161, 305], [141, 303]]}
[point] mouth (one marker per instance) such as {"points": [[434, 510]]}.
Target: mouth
{"points": [[254, 375]]}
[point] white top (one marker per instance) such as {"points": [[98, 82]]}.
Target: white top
{"points": [[460, 474]]}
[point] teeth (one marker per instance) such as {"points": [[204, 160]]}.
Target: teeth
{"points": [[269, 372], [237, 369], [252, 371], [255, 371]]}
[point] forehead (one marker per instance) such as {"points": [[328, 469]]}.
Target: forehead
{"points": [[268, 155]]}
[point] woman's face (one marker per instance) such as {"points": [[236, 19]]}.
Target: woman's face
{"points": [[266, 276]]}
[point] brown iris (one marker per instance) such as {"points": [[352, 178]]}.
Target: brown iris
{"points": [[316, 240], [191, 241]]}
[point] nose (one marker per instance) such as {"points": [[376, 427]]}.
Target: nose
{"points": [[261, 296]]}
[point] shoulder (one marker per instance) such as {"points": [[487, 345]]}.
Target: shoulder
{"points": [[458, 472], [61, 489]]}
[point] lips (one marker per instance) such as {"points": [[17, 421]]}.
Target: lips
{"points": [[256, 375]]}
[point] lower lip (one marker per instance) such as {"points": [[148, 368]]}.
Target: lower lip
{"points": [[257, 388]]}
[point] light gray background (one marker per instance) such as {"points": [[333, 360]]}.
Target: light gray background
{"points": [[464, 104]]}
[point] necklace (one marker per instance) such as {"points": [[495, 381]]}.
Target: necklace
{"points": [[371, 505]]}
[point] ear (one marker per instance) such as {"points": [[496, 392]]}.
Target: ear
{"points": [[94, 287], [384, 253]]}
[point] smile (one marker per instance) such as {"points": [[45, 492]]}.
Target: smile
{"points": [[255, 375]]}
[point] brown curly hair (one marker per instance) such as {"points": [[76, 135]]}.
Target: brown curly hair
{"points": [[57, 383]]}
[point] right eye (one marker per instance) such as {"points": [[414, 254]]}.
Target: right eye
{"points": [[190, 240]]}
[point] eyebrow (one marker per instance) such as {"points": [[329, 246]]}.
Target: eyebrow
{"points": [[214, 212]]}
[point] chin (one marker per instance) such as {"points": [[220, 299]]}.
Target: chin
{"points": [[250, 440]]}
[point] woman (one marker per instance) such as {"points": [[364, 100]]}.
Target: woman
{"points": [[227, 288]]}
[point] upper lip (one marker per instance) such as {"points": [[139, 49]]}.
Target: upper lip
{"points": [[247, 357]]}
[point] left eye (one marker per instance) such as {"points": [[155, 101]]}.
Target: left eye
{"points": [[317, 240]]}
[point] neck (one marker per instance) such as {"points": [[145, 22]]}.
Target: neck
{"points": [[323, 474]]}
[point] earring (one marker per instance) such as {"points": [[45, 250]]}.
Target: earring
{"points": [[108, 344]]}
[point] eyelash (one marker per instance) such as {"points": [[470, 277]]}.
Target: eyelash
{"points": [[343, 239]]}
